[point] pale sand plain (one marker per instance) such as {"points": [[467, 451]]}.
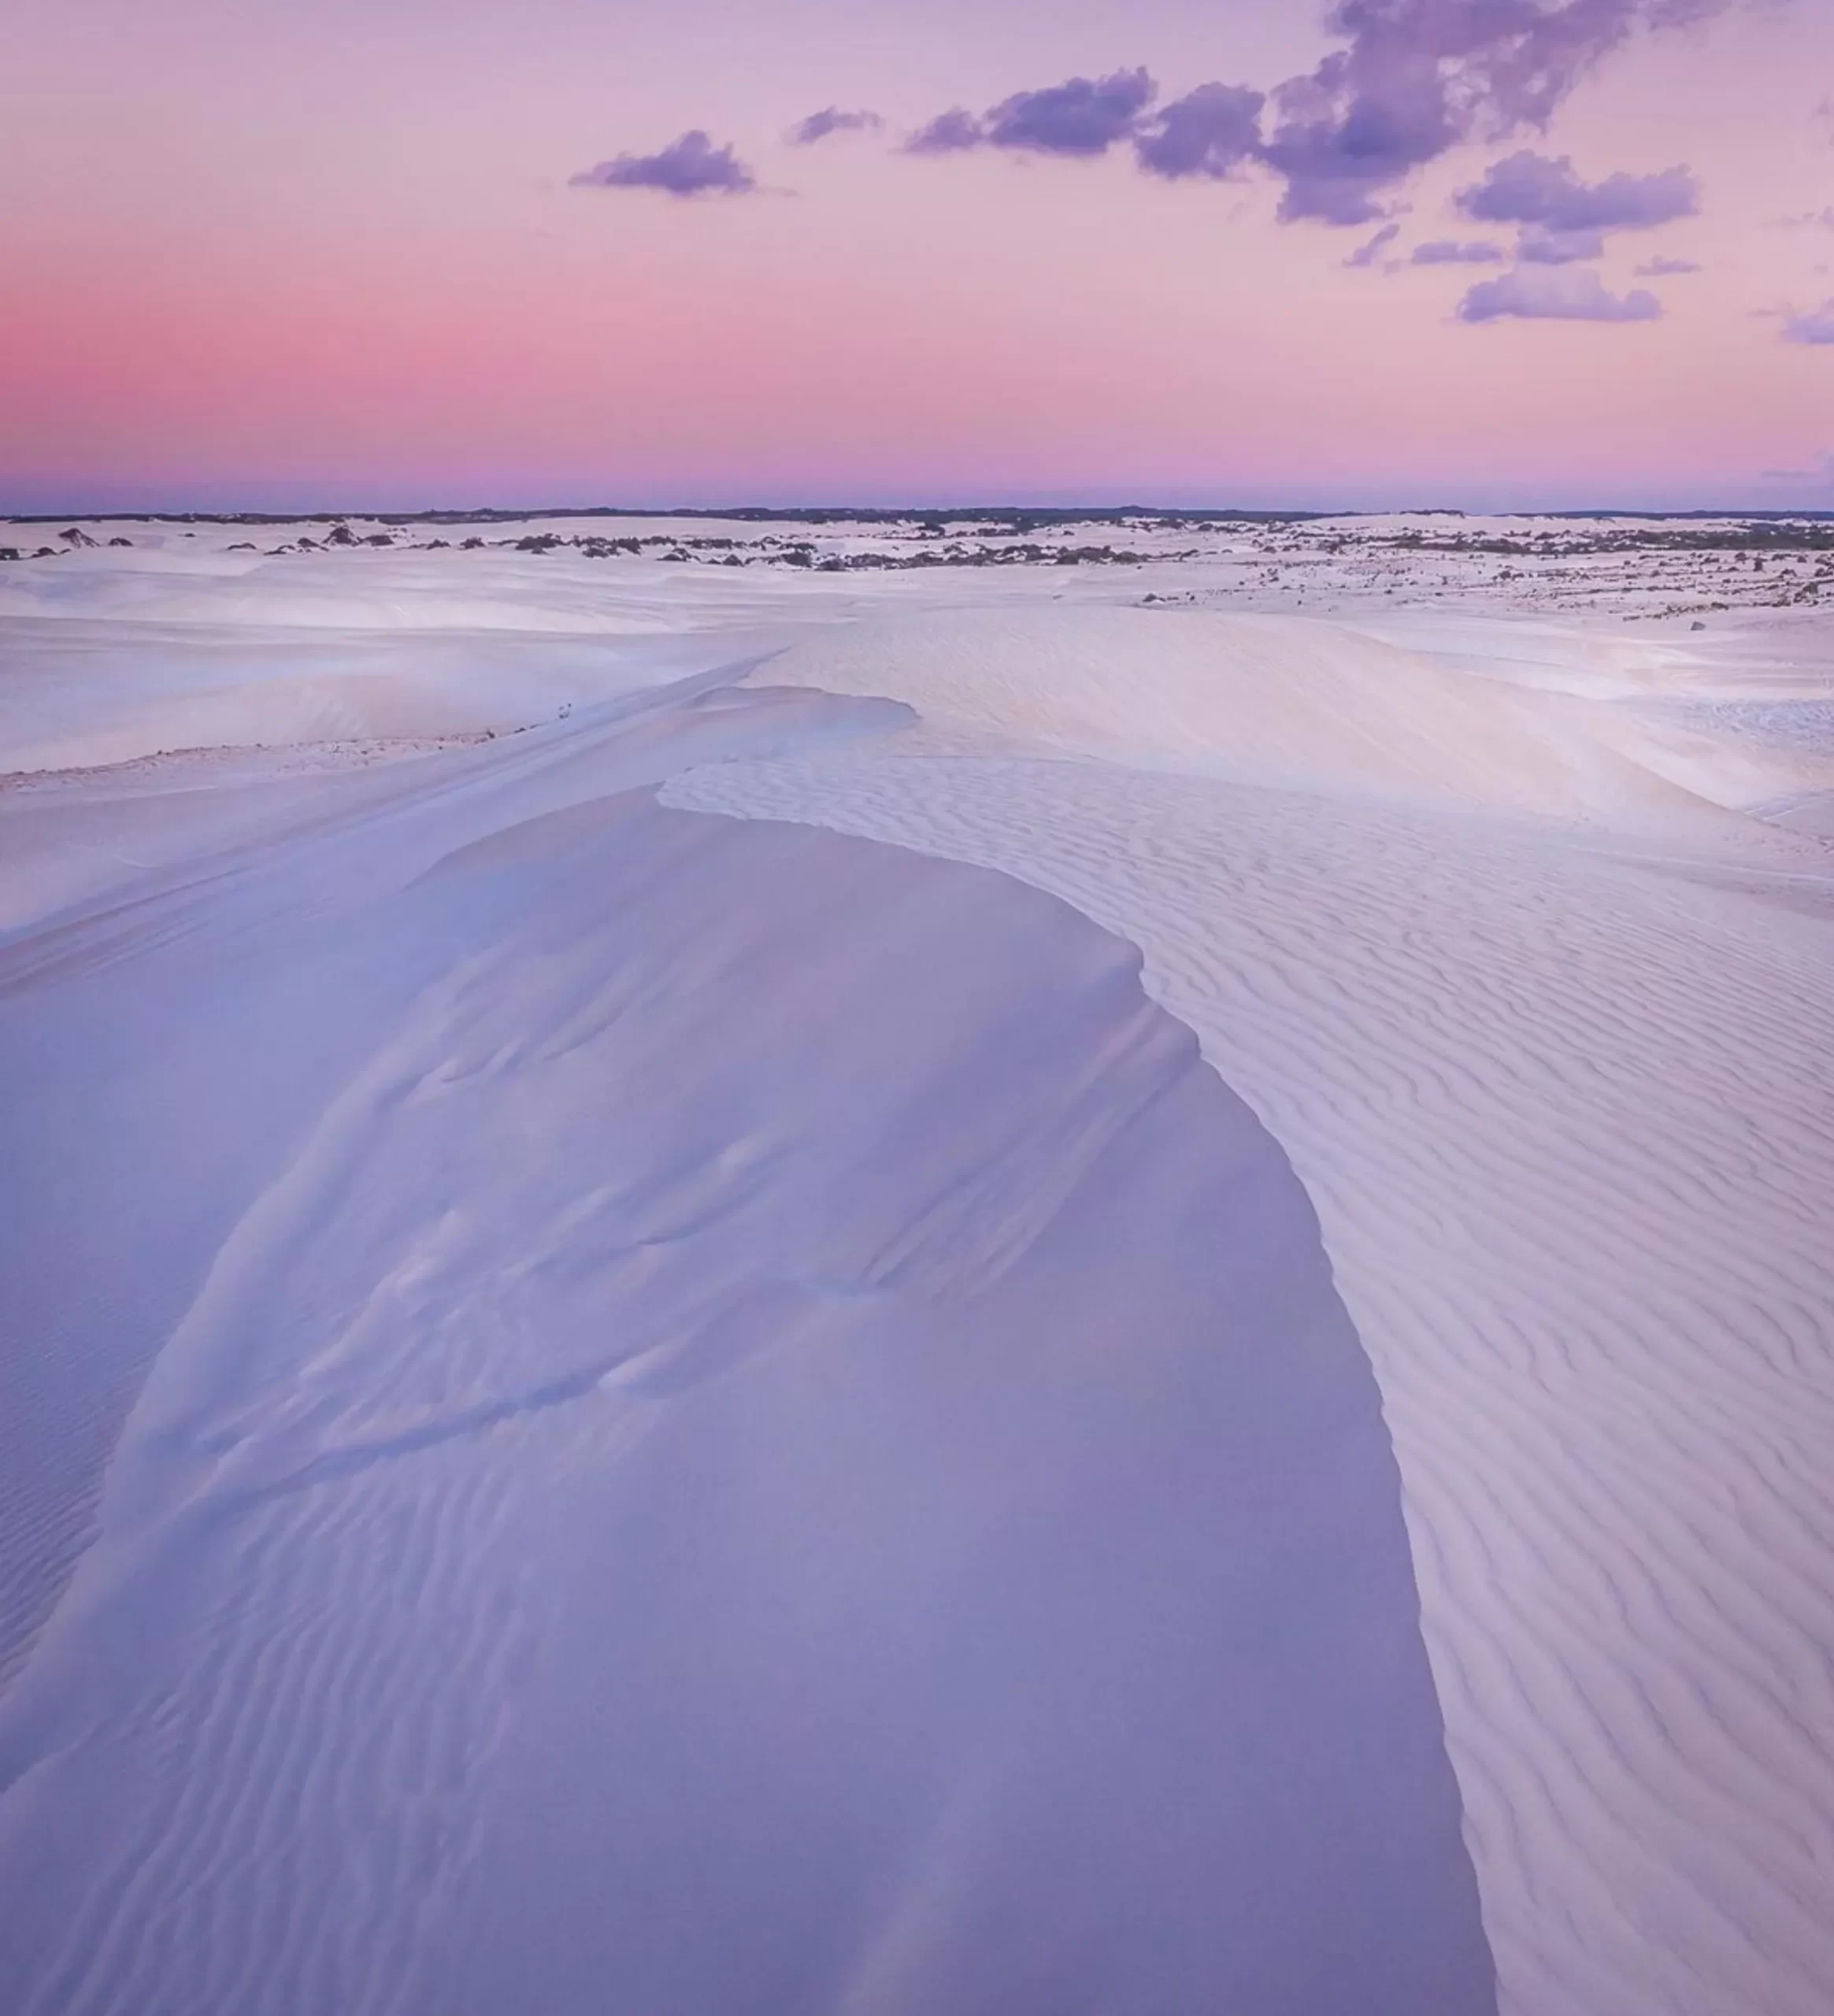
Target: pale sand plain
{"points": [[696, 1250]]}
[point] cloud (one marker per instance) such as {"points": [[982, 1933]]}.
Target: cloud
{"points": [[1413, 79], [1209, 132], [1369, 255], [1656, 269], [1804, 220], [1448, 252], [1539, 247], [950, 132], [1418, 77], [1339, 148], [1529, 188], [1082, 116], [1813, 325], [691, 166], [1554, 295], [831, 118]]}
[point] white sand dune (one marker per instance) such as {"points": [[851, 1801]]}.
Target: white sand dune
{"points": [[730, 1420], [391, 591], [619, 1409], [1286, 700], [81, 692], [1568, 1117]]}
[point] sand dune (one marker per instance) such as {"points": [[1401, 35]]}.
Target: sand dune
{"points": [[84, 694], [1568, 1119], [625, 1408], [745, 1427], [392, 591], [1286, 700]]}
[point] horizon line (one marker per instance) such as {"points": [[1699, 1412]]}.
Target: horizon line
{"points": [[486, 514]]}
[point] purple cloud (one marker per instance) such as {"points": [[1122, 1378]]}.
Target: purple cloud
{"points": [[1414, 79], [1209, 132], [1656, 269], [1535, 189], [1814, 326], [1083, 116], [1340, 150], [691, 166], [1420, 76], [1449, 252], [951, 133], [1370, 253], [1555, 294], [831, 118], [1537, 246]]}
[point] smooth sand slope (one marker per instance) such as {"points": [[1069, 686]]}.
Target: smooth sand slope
{"points": [[622, 1410], [611, 1395]]}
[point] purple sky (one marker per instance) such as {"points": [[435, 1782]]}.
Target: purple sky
{"points": [[1480, 252]]}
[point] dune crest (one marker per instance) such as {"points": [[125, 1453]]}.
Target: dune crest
{"points": [[1302, 701]]}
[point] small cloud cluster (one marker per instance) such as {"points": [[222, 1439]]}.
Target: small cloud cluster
{"points": [[1413, 79], [1814, 326], [1419, 77], [691, 166], [1209, 132], [1546, 193], [1562, 221], [1656, 269], [831, 119], [1555, 294]]}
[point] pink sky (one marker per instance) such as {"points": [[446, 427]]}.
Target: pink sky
{"points": [[267, 256]]}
